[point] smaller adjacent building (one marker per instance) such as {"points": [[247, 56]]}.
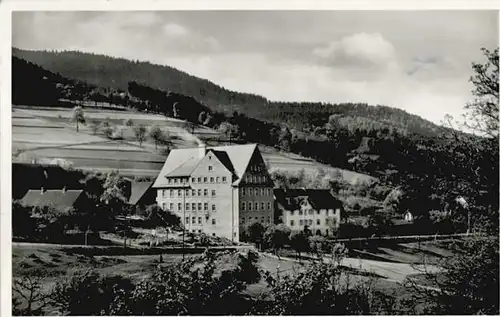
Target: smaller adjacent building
{"points": [[141, 194], [316, 210], [62, 200]]}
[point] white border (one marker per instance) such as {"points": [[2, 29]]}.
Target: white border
{"points": [[7, 6]]}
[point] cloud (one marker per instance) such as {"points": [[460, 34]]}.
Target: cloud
{"points": [[361, 49], [175, 30]]}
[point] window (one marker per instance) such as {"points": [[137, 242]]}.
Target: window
{"points": [[205, 192], [262, 206], [199, 179], [213, 221], [310, 221], [193, 220], [243, 206], [199, 231], [199, 192], [262, 191], [164, 206], [256, 206], [210, 168], [310, 211], [164, 193], [217, 179], [213, 192], [210, 157], [261, 219], [327, 221], [318, 222], [176, 180], [213, 234], [292, 212], [250, 191], [224, 179], [193, 205], [249, 206], [199, 220], [187, 206], [205, 206], [256, 192], [337, 210], [268, 219], [213, 207], [193, 180], [171, 206], [179, 206], [171, 193], [204, 179], [301, 222], [301, 212], [199, 206], [243, 191], [269, 192], [317, 211], [211, 180], [179, 193], [170, 181], [187, 220], [242, 220], [268, 205]]}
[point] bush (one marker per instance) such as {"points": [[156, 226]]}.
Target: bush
{"points": [[88, 293]]}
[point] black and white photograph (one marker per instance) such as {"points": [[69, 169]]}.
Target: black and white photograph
{"points": [[252, 162]]}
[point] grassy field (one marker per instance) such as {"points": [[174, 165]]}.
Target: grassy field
{"points": [[46, 133]]}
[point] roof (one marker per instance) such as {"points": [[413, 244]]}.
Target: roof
{"points": [[182, 162], [138, 189], [56, 198], [318, 198]]}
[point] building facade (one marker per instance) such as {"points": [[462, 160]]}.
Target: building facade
{"points": [[216, 190], [316, 210]]}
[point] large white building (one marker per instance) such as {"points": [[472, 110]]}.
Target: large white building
{"points": [[216, 190]]}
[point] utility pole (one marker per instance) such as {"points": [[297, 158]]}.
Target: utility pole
{"points": [[86, 235], [185, 223], [468, 220]]}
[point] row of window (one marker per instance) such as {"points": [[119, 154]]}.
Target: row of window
{"points": [[303, 222], [310, 212], [255, 206], [256, 191], [243, 220], [193, 220], [255, 179], [189, 206], [188, 192], [199, 180]]}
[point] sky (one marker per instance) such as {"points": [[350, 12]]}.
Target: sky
{"points": [[418, 61]]}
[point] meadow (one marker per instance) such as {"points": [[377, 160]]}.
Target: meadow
{"points": [[46, 135]]}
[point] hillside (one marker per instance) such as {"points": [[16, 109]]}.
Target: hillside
{"points": [[116, 73]]}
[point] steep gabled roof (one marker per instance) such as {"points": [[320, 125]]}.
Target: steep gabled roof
{"points": [[182, 162], [318, 198], [138, 189], [56, 198]]}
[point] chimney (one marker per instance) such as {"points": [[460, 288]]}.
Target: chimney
{"points": [[42, 190], [64, 189], [202, 149]]}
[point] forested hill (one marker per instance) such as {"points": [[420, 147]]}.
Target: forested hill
{"points": [[116, 73]]}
